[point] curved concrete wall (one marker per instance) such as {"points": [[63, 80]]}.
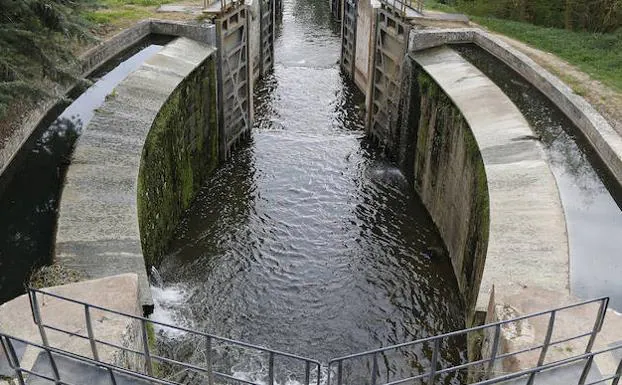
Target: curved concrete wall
{"points": [[484, 180], [603, 138], [98, 221], [180, 151]]}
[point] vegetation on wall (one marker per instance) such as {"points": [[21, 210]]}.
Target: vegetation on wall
{"points": [[180, 151]]}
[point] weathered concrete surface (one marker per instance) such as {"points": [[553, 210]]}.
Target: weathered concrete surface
{"points": [[527, 243], [603, 138], [118, 293], [98, 227], [568, 323]]}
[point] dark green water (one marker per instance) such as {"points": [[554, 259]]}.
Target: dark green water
{"points": [[307, 240]]}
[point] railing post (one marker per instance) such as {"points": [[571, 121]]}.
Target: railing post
{"points": [[547, 338], [598, 324], [36, 314], [148, 364], [545, 346], [55, 371], [495, 348], [308, 373], [271, 369], [89, 330], [113, 379], [340, 372], [618, 374], [9, 352], [210, 370], [374, 370], [586, 370], [434, 362], [319, 374]]}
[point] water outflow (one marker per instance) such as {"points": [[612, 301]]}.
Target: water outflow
{"points": [[307, 240], [29, 202], [587, 191]]}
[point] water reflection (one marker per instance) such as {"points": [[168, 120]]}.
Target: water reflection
{"points": [[29, 202]]}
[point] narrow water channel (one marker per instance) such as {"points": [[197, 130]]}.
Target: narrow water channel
{"points": [[590, 196], [307, 240], [29, 200]]}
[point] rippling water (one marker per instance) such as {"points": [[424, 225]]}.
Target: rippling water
{"points": [[307, 240]]}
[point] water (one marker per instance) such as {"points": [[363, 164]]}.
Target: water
{"points": [[307, 240], [587, 191], [29, 202]]}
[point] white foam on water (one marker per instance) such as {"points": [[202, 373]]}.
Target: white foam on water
{"points": [[165, 300]]}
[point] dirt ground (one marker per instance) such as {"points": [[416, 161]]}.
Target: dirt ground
{"points": [[606, 100]]}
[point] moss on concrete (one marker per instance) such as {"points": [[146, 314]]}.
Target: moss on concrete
{"points": [[450, 177], [180, 151]]}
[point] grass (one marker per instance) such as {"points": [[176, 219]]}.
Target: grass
{"points": [[121, 11], [597, 54]]}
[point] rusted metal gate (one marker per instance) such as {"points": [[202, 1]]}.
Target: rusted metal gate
{"points": [[234, 90], [268, 17], [348, 37], [390, 49]]}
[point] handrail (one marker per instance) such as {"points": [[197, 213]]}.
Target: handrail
{"points": [[147, 354], [433, 372], [14, 363], [401, 5]]}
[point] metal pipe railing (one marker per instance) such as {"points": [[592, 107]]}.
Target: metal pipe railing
{"points": [[433, 372], [147, 355]]}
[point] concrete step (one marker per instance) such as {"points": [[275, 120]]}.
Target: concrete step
{"points": [[77, 372]]}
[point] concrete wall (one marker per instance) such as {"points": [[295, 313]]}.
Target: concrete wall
{"points": [[603, 138], [180, 150], [105, 197], [485, 182], [443, 160]]}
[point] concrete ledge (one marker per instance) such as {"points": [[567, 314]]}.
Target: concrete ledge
{"points": [[118, 293], [528, 245], [98, 227], [603, 138]]}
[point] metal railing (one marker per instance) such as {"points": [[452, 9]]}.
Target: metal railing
{"points": [[400, 6], [429, 350], [149, 356], [114, 372], [530, 374]]}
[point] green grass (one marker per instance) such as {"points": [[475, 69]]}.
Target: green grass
{"points": [[111, 11], [437, 6], [597, 54]]}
